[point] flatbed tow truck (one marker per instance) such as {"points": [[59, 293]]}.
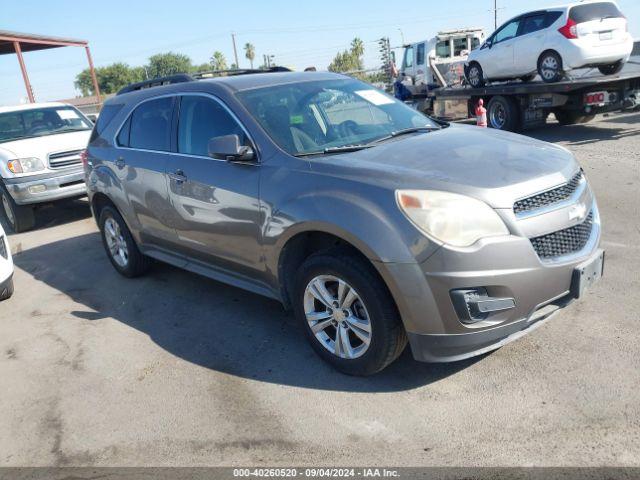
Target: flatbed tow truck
{"points": [[516, 106]]}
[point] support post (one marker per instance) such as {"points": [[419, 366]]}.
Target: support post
{"points": [[235, 51], [96, 88], [27, 84]]}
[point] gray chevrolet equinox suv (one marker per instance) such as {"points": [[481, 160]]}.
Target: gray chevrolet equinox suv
{"points": [[377, 225]]}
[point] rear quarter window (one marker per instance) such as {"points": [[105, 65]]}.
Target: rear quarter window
{"points": [[594, 11], [104, 119]]}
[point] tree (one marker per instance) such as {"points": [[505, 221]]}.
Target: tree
{"points": [[204, 67], [218, 61], [110, 78], [349, 60], [170, 63], [250, 53]]}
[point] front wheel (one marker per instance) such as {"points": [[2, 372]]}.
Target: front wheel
{"points": [[19, 217], [612, 68], [348, 313], [475, 75], [120, 246], [550, 67]]}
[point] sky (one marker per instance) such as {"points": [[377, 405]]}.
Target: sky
{"points": [[299, 33]]}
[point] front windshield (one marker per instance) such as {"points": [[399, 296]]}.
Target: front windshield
{"points": [[39, 122], [313, 117]]}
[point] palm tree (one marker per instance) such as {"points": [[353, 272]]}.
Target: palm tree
{"points": [[250, 52], [218, 62], [357, 47]]}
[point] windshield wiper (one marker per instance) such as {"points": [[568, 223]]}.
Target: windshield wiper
{"points": [[405, 131], [342, 149]]}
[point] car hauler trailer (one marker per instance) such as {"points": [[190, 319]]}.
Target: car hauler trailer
{"points": [[517, 105]]}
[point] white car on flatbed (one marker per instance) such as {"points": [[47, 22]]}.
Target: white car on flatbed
{"points": [[6, 267], [551, 41], [40, 158]]}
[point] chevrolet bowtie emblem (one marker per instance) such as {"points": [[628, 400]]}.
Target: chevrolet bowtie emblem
{"points": [[577, 212]]}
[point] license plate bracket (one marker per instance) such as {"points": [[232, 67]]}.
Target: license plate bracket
{"points": [[586, 274], [606, 36]]}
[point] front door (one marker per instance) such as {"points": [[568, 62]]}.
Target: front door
{"points": [[499, 59], [216, 203]]}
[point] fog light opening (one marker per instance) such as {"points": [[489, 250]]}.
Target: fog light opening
{"points": [[37, 188], [474, 305]]}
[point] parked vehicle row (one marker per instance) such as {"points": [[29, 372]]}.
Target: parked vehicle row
{"points": [[377, 225]]}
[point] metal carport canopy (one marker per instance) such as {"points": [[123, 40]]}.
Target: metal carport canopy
{"points": [[14, 42]]}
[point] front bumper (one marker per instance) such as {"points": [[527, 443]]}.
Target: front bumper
{"points": [[46, 187]]}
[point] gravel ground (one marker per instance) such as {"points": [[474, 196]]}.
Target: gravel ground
{"points": [[176, 369]]}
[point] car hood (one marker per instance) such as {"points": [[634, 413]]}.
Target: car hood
{"points": [[493, 166], [41, 146]]}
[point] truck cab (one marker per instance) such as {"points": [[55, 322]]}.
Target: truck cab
{"points": [[438, 61]]}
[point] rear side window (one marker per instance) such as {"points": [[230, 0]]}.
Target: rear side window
{"points": [[420, 54], [104, 119], [551, 18], [594, 11], [533, 23], [151, 125], [200, 120]]}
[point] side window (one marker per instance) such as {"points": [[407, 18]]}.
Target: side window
{"points": [[533, 24], [201, 119], [551, 18], [475, 43], [123, 136], [507, 32], [420, 55], [151, 125], [106, 115], [408, 57], [443, 49]]}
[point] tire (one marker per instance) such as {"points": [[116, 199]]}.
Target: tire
{"points": [[373, 308], [527, 78], [475, 75], [550, 67], [19, 217], [120, 246], [612, 68], [503, 114], [572, 117], [6, 290]]}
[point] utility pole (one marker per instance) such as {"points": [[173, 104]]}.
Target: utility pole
{"points": [[495, 15], [235, 51]]}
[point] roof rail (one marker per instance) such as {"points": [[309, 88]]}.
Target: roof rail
{"points": [[156, 82], [238, 71]]}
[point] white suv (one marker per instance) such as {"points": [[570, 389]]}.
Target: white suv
{"points": [[6, 267], [552, 41]]}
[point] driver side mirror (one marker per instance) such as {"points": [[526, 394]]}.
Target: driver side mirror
{"points": [[227, 147]]}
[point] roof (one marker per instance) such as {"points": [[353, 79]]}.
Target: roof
{"points": [[31, 106], [30, 42], [259, 80]]}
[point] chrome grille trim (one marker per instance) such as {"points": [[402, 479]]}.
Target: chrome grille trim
{"points": [[551, 199], [65, 159]]}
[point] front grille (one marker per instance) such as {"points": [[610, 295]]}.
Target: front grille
{"points": [[65, 159], [564, 242], [549, 197], [3, 248]]}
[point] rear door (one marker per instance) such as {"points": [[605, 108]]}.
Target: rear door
{"points": [[215, 202], [143, 145], [530, 40], [499, 60]]}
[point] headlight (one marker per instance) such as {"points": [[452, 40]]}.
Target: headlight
{"points": [[25, 165], [450, 218]]}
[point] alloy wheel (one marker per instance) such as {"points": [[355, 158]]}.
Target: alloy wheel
{"points": [[337, 316], [116, 242], [474, 76]]}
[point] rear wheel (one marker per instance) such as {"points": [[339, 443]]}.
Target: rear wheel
{"points": [[348, 313], [503, 114], [572, 118], [120, 246], [475, 75], [550, 67], [612, 68], [19, 217]]}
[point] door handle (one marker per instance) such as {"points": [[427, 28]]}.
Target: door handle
{"points": [[178, 176], [120, 163]]}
